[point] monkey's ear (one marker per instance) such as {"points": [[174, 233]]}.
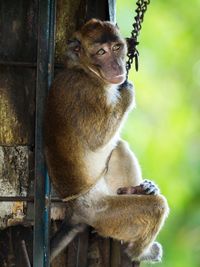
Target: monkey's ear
{"points": [[74, 46]]}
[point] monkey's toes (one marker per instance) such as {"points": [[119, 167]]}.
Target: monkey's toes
{"points": [[150, 188], [156, 252], [153, 254], [130, 190]]}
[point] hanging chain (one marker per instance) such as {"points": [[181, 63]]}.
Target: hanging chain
{"points": [[132, 42]]}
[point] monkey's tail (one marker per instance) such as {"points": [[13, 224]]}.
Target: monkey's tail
{"points": [[63, 237]]}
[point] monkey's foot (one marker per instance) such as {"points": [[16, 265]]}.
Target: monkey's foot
{"points": [[153, 254], [150, 188], [145, 188]]}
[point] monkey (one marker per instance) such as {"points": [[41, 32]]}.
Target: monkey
{"points": [[91, 168]]}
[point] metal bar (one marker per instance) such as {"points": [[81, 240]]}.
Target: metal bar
{"points": [[112, 10], [26, 199], [18, 64], [26, 64], [16, 199], [47, 211], [42, 186]]}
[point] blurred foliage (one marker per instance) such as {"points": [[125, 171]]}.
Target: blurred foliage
{"points": [[164, 129]]}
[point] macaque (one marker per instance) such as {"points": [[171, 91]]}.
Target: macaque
{"points": [[90, 166]]}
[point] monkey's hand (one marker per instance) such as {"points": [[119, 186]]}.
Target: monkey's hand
{"points": [[127, 85], [145, 188]]}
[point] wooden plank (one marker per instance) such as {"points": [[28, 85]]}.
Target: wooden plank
{"points": [[125, 260], [11, 252], [115, 260], [104, 248], [82, 249], [72, 253]]}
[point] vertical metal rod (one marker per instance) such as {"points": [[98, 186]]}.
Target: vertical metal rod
{"points": [[47, 220], [112, 10], [42, 186]]}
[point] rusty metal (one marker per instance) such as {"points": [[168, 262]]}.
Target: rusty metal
{"points": [[18, 64], [133, 53], [25, 199], [25, 64]]}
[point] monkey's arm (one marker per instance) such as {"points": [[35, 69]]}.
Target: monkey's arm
{"points": [[100, 122]]}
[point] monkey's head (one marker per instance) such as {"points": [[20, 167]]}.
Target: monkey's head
{"points": [[99, 48]]}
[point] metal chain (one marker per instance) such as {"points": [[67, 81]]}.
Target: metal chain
{"points": [[132, 42]]}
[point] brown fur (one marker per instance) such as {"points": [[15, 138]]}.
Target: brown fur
{"points": [[86, 159]]}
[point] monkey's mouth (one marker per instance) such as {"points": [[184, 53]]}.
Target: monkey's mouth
{"points": [[108, 76], [118, 79]]}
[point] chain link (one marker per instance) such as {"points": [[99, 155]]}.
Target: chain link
{"points": [[132, 42]]}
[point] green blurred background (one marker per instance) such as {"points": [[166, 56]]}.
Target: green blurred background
{"points": [[164, 129]]}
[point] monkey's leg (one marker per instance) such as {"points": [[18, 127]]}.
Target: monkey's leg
{"points": [[144, 214], [135, 219]]}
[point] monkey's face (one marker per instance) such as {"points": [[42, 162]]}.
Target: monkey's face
{"points": [[107, 61], [101, 49]]}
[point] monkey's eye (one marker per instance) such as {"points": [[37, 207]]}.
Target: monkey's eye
{"points": [[100, 52], [116, 47]]}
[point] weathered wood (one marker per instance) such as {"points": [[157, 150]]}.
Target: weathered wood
{"points": [[72, 251], [82, 249], [18, 30], [104, 247], [15, 179], [17, 106], [11, 252], [97, 9], [125, 260], [61, 260], [115, 254], [67, 15]]}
